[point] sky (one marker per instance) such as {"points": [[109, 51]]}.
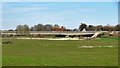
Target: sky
{"points": [[59, 0], [68, 14]]}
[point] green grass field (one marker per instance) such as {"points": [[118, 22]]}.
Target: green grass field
{"points": [[60, 53]]}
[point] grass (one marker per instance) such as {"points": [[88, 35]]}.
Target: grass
{"points": [[60, 53]]}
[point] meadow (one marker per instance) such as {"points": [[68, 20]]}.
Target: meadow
{"points": [[26, 52]]}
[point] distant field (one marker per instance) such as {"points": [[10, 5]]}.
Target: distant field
{"points": [[60, 53]]}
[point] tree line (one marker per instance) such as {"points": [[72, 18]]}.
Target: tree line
{"points": [[48, 27], [99, 27]]}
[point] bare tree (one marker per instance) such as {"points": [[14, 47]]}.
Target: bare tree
{"points": [[48, 27], [19, 29], [91, 28], [117, 27], [26, 29], [99, 27], [23, 29]]}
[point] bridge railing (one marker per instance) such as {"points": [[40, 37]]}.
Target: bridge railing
{"points": [[51, 32]]}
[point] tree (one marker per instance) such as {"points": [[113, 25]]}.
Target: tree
{"points": [[19, 29], [32, 28], [48, 27], [82, 26], [63, 28], [40, 27], [117, 27], [108, 28], [10, 30], [35, 28], [99, 27], [56, 27], [26, 29], [75, 29], [91, 28], [23, 29]]}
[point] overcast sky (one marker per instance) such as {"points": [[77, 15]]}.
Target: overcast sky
{"points": [[68, 14]]}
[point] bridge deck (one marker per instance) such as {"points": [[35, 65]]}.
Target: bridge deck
{"points": [[51, 32]]}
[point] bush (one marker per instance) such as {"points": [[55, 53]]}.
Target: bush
{"points": [[104, 35], [7, 42]]}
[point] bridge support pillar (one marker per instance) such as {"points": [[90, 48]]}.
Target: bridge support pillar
{"points": [[67, 36]]}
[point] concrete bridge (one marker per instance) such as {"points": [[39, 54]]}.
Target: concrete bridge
{"points": [[51, 32], [62, 33], [67, 33]]}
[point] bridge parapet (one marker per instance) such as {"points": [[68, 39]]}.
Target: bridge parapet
{"points": [[51, 32]]}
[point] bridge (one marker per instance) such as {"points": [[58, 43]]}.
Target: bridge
{"points": [[67, 33], [51, 32]]}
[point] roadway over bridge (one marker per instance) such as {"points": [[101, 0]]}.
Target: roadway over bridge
{"points": [[51, 33]]}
